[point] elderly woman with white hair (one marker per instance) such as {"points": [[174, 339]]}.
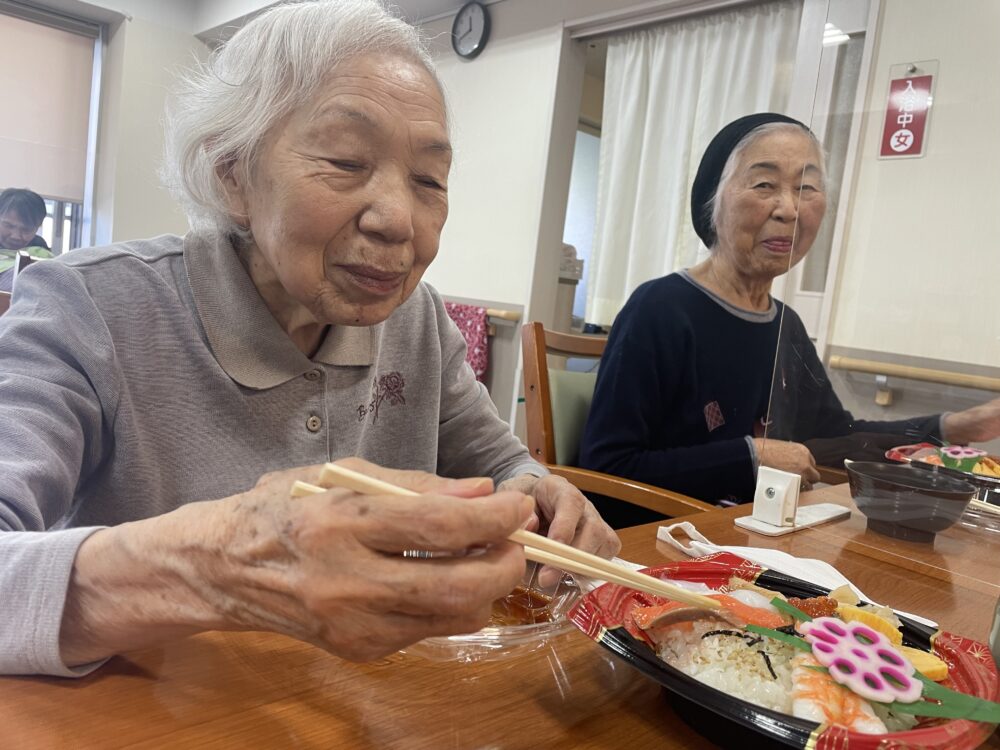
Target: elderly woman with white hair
{"points": [[287, 329], [684, 387]]}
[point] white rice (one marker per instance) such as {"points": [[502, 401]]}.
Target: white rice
{"points": [[729, 664]]}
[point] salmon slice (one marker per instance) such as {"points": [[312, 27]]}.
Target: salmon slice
{"points": [[732, 611], [816, 697]]}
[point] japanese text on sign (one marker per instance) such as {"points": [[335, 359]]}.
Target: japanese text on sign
{"points": [[905, 127]]}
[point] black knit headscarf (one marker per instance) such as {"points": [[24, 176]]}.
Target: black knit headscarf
{"points": [[706, 182]]}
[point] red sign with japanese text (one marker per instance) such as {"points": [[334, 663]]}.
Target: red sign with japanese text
{"points": [[906, 116]]}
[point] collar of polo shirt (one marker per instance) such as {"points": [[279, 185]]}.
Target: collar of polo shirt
{"points": [[245, 338]]}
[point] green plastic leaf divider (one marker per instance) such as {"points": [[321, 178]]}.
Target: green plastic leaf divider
{"points": [[953, 704], [980, 710]]}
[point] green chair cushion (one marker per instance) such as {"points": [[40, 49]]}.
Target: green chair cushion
{"points": [[570, 394]]}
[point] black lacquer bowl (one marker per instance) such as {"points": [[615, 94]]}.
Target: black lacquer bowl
{"points": [[905, 502]]}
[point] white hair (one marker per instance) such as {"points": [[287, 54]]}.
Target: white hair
{"points": [[713, 206], [223, 109]]}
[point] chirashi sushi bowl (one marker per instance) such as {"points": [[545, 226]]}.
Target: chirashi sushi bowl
{"points": [[752, 665]]}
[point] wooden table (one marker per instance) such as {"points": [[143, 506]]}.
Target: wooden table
{"points": [[252, 690]]}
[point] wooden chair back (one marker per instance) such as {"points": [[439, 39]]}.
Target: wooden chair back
{"points": [[536, 343], [554, 425]]}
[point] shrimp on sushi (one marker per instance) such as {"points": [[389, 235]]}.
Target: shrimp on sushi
{"points": [[816, 697]]}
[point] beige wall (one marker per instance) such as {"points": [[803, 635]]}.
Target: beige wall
{"points": [[214, 19], [501, 104], [514, 113], [920, 272], [511, 135], [142, 61]]}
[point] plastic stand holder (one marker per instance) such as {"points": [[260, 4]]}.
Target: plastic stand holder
{"points": [[775, 506]]}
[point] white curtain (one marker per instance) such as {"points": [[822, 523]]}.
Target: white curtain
{"points": [[668, 90]]}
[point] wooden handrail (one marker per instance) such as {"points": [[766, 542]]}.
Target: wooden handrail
{"points": [[512, 315], [926, 374]]}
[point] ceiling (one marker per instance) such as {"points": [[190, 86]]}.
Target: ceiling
{"points": [[416, 11]]}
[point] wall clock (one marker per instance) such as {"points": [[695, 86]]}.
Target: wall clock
{"points": [[471, 30]]}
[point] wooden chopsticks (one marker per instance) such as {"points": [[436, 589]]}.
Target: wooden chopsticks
{"points": [[536, 547]]}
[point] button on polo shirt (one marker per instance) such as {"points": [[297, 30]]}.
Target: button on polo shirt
{"points": [[314, 423]]}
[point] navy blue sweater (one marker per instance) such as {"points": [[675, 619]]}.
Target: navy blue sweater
{"points": [[685, 381]]}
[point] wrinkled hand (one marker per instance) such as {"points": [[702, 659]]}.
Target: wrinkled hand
{"points": [[975, 425], [327, 569], [787, 456], [565, 516]]}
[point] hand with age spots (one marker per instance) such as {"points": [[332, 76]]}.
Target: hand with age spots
{"points": [[566, 516], [327, 569], [788, 456]]}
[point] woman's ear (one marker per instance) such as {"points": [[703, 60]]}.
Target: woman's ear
{"points": [[235, 189]]}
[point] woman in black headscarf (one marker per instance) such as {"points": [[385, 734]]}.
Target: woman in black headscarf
{"points": [[685, 384]]}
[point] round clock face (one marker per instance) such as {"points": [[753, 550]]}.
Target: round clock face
{"points": [[470, 30]]}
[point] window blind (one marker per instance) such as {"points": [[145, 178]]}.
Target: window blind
{"points": [[47, 77]]}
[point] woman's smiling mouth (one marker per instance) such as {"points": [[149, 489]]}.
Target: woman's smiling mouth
{"points": [[375, 280], [780, 245]]}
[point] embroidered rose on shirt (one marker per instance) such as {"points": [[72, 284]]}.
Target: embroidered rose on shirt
{"points": [[713, 416], [391, 387], [387, 388]]}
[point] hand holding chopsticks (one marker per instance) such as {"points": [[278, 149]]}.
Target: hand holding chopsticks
{"points": [[536, 547]]}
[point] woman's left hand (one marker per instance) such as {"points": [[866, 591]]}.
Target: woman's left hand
{"points": [[565, 515], [975, 425]]}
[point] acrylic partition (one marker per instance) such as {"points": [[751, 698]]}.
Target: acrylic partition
{"points": [[890, 335]]}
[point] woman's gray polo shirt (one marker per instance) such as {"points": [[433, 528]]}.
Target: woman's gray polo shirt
{"points": [[141, 376]]}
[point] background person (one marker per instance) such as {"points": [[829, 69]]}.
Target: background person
{"points": [[685, 384], [21, 215]]}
